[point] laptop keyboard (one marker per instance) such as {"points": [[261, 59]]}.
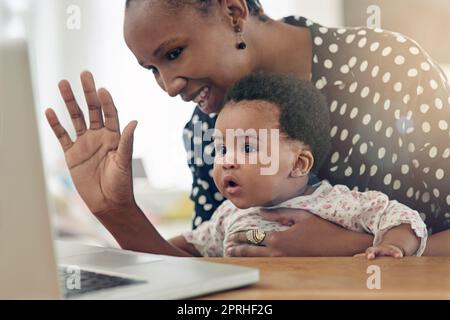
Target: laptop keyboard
{"points": [[74, 283]]}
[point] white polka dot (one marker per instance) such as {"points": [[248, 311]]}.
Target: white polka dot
{"points": [[333, 48], [202, 200], [433, 84], [387, 104], [328, 64], [197, 140], [443, 125], [387, 179], [415, 163], [205, 185], [354, 113], [343, 109], [406, 99], [341, 30], [448, 199], [413, 72], [394, 158], [211, 173], [424, 108], [386, 51], [195, 191], [399, 60], [410, 192], [389, 132], [375, 71], [318, 41], [374, 46], [366, 119], [400, 142], [365, 92], [218, 196], [334, 169], [321, 83], [426, 127], [439, 174], [207, 207], [398, 86], [352, 62], [438, 103], [349, 39], [323, 30], [335, 157], [198, 221], [425, 66], [373, 170], [433, 152], [401, 39], [333, 131], [363, 66], [381, 153], [419, 90], [378, 125], [333, 106], [345, 69], [376, 97], [205, 126], [353, 87], [344, 134], [195, 119], [315, 59], [405, 169], [363, 148], [436, 193], [414, 50], [397, 184], [362, 42], [446, 153], [348, 172], [356, 139], [362, 169], [397, 114], [411, 147], [386, 77], [362, 32]]}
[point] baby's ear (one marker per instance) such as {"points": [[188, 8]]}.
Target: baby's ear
{"points": [[303, 165]]}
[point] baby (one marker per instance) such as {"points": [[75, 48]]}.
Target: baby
{"points": [[274, 112]]}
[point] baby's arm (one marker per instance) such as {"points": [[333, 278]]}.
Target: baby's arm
{"points": [[399, 231]]}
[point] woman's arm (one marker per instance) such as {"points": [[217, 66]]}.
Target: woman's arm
{"points": [[438, 244], [309, 235], [133, 231]]}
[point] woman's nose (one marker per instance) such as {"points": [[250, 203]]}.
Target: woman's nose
{"points": [[172, 85]]}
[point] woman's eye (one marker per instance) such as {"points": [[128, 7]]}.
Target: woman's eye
{"points": [[174, 54], [249, 148]]}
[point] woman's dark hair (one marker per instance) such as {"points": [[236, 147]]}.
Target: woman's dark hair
{"points": [[303, 109], [254, 6]]}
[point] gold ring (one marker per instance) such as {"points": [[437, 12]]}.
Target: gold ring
{"points": [[255, 236]]}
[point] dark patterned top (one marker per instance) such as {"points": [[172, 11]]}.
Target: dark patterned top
{"points": [[390, 123]]}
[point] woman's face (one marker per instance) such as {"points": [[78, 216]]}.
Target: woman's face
{"points": [[190, 54]]}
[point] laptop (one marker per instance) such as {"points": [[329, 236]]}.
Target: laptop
{"points": [[32, 264]]}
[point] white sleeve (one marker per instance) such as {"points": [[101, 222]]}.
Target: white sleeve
{"points": [[378, 215]]}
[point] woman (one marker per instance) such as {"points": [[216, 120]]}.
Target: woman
{"points": [[389, 105]]}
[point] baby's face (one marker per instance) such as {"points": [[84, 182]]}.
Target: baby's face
{"points": [[253, 167]]}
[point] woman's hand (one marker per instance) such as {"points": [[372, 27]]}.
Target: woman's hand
{"points": [[99, 160], [309, 235]]}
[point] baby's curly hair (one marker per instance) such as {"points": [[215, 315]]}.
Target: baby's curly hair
{"points": [[303, 109]]}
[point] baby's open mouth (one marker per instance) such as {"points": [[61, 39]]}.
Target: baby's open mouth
{"points": [[231, 186]]}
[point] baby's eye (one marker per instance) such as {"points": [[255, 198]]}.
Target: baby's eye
{"points": [[221, 150], [174, 54], [248, 148]]}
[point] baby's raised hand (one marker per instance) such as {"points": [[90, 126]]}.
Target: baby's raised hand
{"points": [[382, 250]]}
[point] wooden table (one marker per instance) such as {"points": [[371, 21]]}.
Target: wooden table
{"points": [[342, 278]]}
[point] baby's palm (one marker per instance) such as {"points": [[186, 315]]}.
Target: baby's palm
{"points": [[100, 159]]}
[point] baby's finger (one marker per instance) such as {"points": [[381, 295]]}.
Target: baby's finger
{"points": [[372, 252]]}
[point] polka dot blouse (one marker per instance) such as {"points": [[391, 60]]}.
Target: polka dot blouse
{"points": [[390, 122]]}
